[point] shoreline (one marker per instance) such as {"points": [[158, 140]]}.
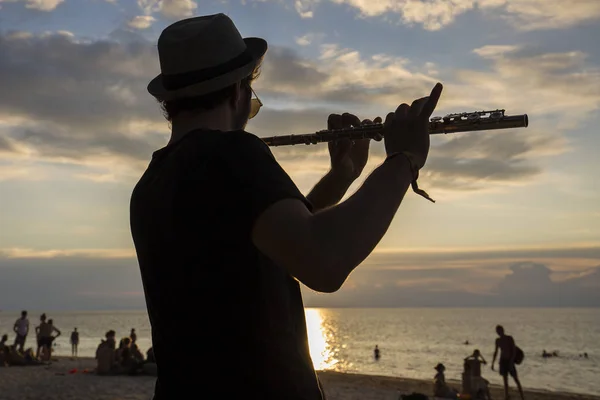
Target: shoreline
{"points": [[425, 386], [55, 382]]}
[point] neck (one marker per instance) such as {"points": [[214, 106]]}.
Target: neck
{"points": [[218, 119]]}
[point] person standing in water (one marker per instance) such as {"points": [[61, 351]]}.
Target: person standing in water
{"points": [[508, 352], [376, 353], [74, 342]]}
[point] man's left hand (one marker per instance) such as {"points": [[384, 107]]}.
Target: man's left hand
{"points": [[348, 158]]}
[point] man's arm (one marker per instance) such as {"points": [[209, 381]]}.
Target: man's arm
{"points": [[495, 354], [15, 326], [57, 331], [322, 249], [483, 360], [329, 191]]}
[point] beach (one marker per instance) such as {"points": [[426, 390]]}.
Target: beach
{"points": [[55, 382]]}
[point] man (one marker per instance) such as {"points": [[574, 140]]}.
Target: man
{"points": [[474, 362], [508, 352], [472, 380], [222, 234], [42, 327], [74, 342], [21, 329]]}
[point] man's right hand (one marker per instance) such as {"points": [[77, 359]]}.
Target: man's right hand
{"points": [[407, 129]]}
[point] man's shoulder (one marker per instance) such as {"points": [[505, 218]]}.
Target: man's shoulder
{"points": [[204, 145], [245, 140]]}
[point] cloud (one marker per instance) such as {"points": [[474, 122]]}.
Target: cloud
{"points": [[305, 8], [86, 279], [67, 100], [141, 22], [40, 5], [505, 284], [71, 282], [434, 15], [308, 39], [172, 9], [85, 102]]}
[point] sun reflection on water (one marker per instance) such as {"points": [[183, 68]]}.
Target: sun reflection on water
{"points": [[319, 340]]}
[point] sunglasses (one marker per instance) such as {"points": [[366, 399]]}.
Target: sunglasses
{"points": [[255, 105]]}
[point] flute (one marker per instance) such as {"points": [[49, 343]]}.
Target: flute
{"points": [[451, 123]]}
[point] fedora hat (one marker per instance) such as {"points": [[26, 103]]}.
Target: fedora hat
{"points": [[201, 55]]}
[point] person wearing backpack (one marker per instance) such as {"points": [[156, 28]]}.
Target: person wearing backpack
{"points": [[509, 354]]}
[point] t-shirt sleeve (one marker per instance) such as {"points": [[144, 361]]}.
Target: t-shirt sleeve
{"points": [[261, 180]]}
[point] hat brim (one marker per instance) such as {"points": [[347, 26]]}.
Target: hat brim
{"points": [[257, 48]]}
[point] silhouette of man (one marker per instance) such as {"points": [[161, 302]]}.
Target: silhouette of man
{"points": [[376, 352], [220, 227], [21, 329], [506, 363]]}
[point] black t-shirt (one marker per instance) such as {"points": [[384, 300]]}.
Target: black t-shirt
{"points": [[226, 321]]}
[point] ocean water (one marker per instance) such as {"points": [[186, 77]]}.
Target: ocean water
{"points": [[412, 341]]}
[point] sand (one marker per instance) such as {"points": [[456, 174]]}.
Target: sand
{"points": [[54, 382]]}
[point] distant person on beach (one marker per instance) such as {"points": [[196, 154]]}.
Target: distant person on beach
{"points": [[38, 329], [74, 342], [4, 351], [150, 356], [132, 335], [106, 355], [376, 353], [3, 342], [440, 387], [49, 338], [472, 366], [21, 329], [127, 360], [217, 223], [508, 352], [475, 360]]}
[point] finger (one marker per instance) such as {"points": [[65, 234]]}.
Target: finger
{"points": [[349, 120], [389, 119], [402, 110], [417, 106], [429, 107], [334, 121]]}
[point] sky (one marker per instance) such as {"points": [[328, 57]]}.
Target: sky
{"points": [[516, 222]]}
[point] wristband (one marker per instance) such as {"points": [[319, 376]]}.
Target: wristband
{"points": [[414, 171]]}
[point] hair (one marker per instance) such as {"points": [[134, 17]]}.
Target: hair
{"points": [[205, 102], [50, 321], [23, 313], [499, 328], [43, 317], [4, 338]]}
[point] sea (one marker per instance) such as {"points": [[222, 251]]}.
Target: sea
{"points": [[411, 340]]}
